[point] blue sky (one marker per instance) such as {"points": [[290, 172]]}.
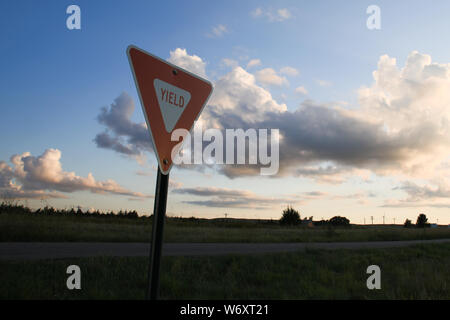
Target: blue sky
{"points": [[55, 81]]}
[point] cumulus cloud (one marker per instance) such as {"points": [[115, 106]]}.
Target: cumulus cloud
{"points": [[192, 63], [414, 104], [238, 101], [122, 134], [400, 127], [272, 15], [317, 133], [269, 76], [43, 177]]}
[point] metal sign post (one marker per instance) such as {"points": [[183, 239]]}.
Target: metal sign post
{"points": [[159, 214]]}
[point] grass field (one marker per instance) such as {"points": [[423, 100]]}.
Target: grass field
{"points": [[29, 227], [418, 272]]}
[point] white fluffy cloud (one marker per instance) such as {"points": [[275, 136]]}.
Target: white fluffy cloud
{"points": [[268, 76], [43, 177], [400, 128], [238, 98], [413, 101], [192, 63]]}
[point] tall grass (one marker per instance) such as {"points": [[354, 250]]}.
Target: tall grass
{"points": [[418, 272]]}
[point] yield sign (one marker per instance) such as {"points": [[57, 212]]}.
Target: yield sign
{"points": [[171, 98]]}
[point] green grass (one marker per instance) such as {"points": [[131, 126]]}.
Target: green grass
{"points": [[31, 227], [418, 272]]}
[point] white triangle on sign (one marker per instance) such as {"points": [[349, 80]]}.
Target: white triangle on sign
{"points": [[172, 102]]}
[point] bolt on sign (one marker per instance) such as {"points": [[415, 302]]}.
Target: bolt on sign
{"points": [[171, 98]]}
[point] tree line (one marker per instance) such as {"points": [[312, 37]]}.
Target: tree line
{"points": [[50, 211]]}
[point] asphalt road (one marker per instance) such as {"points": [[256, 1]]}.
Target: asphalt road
{"points": [[58, 250]]}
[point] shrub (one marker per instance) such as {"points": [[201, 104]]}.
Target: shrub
{"points": [[339, 221], [422, 221], [290, 217]]}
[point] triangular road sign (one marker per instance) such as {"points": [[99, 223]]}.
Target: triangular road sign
{"points": [[171, 98]]}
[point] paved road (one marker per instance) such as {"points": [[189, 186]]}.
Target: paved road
{"points": [[56, 250]]}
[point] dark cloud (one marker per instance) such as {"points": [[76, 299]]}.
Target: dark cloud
{"points": [[122, 134], [106, 141]]}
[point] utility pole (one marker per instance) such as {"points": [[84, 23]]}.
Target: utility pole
{"points": [[383, 218], [371, 217]]}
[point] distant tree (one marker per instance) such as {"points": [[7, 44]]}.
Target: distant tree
{"points": [[422, 221], [290, 217], [339, 221], [408, 223]]}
